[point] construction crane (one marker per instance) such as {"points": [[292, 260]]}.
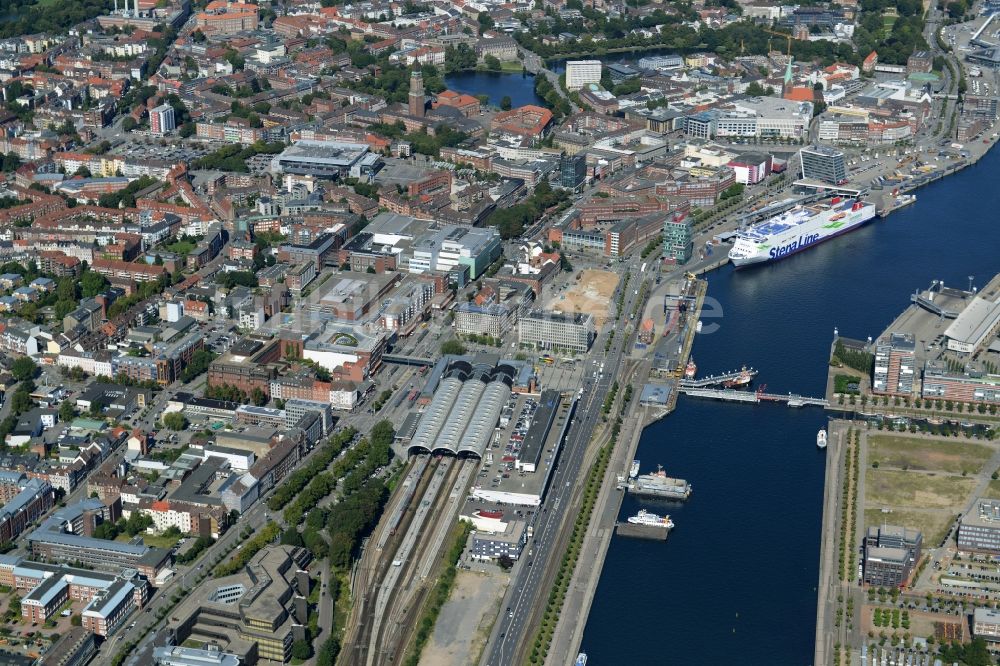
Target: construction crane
{"points": [[780, 34]]}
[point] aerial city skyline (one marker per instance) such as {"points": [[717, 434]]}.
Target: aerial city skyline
{"points": [[522, 333]]}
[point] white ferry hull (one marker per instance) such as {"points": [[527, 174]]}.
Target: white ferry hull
{"points": [[750, 261], [800, 241]]}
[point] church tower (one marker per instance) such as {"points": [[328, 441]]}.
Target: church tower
{"points": [[417, 94]]}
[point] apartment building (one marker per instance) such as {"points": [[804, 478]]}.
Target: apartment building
{"points": [[109, 609], [895, 366], [161, 119], [581, 73], [28, 505], [245, 365], [971, 385]]}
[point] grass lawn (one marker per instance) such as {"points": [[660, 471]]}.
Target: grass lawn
{"points": [[993, 490], [155, 540], [180, 247], [342, 608], [934, 523], [846, 384], [887, 23], [514, 66], [895, 489], [948, 455]]}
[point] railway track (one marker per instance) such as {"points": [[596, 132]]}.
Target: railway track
{"points": [[374, 563], [408, 602], [394, 582], [396, 590]]}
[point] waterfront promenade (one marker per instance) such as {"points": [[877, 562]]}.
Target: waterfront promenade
{"points": [[573, 620], [829, 583], [568, 634]]}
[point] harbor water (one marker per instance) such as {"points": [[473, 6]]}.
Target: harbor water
{"points": [[736, 580]]}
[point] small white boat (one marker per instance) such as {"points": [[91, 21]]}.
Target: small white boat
{"points": [[821, 438], [650, 519]]}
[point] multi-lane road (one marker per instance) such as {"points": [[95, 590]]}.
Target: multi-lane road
{"points": [[523, 603]]}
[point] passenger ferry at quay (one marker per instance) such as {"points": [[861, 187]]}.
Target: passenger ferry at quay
{"points": [[797, 229], [650, 519]]}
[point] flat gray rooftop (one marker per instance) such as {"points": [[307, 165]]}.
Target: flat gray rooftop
{"points": [[522, 488]]}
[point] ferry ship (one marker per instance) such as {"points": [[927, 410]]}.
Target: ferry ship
{"points": [[658, 484], [797, 229], [649, 519], [634, 472], [690, 370], [821, 439]]}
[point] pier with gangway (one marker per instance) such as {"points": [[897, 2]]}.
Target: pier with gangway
{"points": [[760, 395], [717, 380]]}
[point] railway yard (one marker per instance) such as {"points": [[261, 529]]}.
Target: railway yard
{"points": [[394, 576]]}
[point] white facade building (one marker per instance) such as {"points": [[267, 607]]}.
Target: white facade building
{"points": [[580, 73], [161, 119]]}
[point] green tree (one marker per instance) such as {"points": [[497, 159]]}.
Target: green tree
{"points": [[174, 421], [452, 347], [21, 402], [485, 22], [138, 522], [66, 289], [328, 652], [302, 649], [63, 308], [734, 190], [67, 412], [23, 368], [505, 103], [92, 283], [316, 544], [200, 361], [11, 162], [291, 537]]}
